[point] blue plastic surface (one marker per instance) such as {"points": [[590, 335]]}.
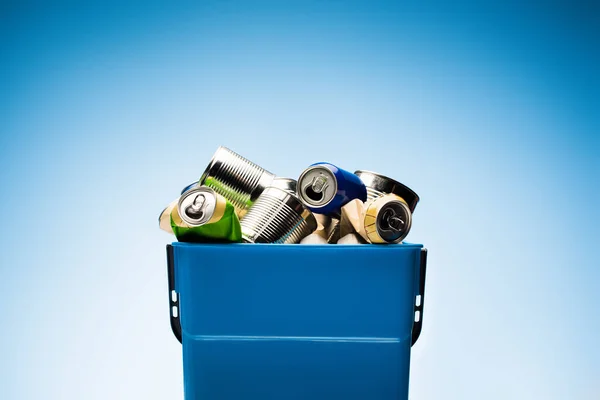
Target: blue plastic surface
{"points": [[296, 321]]}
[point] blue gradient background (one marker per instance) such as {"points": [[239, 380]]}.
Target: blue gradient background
{"points": [[491, 113]]}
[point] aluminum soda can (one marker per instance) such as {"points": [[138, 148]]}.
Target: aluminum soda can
{"points": [[287, 184], [378, 185], [387, 219], [204, 215], [237, 179], [325, 188], [164, 219], [277, 216]]}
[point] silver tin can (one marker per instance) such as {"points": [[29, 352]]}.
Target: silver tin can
{"points": [[378, 185], [277, 217], [237, 179], [287, 184]]}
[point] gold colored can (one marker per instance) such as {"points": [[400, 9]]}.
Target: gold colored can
{"points": [[387, 219]]}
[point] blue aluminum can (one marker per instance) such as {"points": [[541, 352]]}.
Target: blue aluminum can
{"points": [[325, 188]]}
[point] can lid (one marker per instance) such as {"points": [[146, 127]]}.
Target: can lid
{"points": [[382, 183], [393, 221], [197, 206], [317, 186]]}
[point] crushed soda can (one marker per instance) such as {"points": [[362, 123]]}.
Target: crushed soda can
{"points": [[203, 215], [387, 219], [325, 188], [236, 178]]}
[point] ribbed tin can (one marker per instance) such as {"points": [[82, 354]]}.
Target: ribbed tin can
{"points": [[277, 216], [236, 178], [378, 185]]}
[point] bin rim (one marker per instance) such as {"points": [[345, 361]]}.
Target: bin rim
{"points": [[388, 247]]}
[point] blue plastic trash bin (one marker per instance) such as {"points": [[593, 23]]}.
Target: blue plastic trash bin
{"points": [[296, 322]]}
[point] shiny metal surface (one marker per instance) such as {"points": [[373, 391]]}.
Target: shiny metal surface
{"points": [[333, 231], [236, 178], [277, 217], [387, 219], [378, 185], [317, 186], [287, 184], [197, 206]]}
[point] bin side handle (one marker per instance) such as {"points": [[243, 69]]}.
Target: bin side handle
{"points": [[420, 305], [173, 295]]}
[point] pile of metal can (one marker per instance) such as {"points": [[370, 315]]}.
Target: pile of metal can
{"points": [[236, 200]]}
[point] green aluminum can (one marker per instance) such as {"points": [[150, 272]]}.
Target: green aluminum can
{"points": [[203, 215]]}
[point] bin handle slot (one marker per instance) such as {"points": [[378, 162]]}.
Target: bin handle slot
{"points": [[419, 300], [174, 313]]}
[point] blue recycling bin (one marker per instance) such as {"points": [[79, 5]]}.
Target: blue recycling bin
{"points": [[296, 322]]}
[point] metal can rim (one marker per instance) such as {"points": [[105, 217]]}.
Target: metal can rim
{"points": [[183, 215], [299, 187]]}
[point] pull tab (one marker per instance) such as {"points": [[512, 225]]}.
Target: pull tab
{"points": [[315, 190], [196, 209], [394, 222], [319, 184]]}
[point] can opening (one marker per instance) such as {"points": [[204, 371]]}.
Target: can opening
{"points": [[196, 209], [392, 222], [316, 190], [312, 194]]}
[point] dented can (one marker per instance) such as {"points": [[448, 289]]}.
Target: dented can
{"points": [[378, 185], [387, 219], [325, 188], [277, 216], [164, 219], [204, 215], [237, 179]]}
